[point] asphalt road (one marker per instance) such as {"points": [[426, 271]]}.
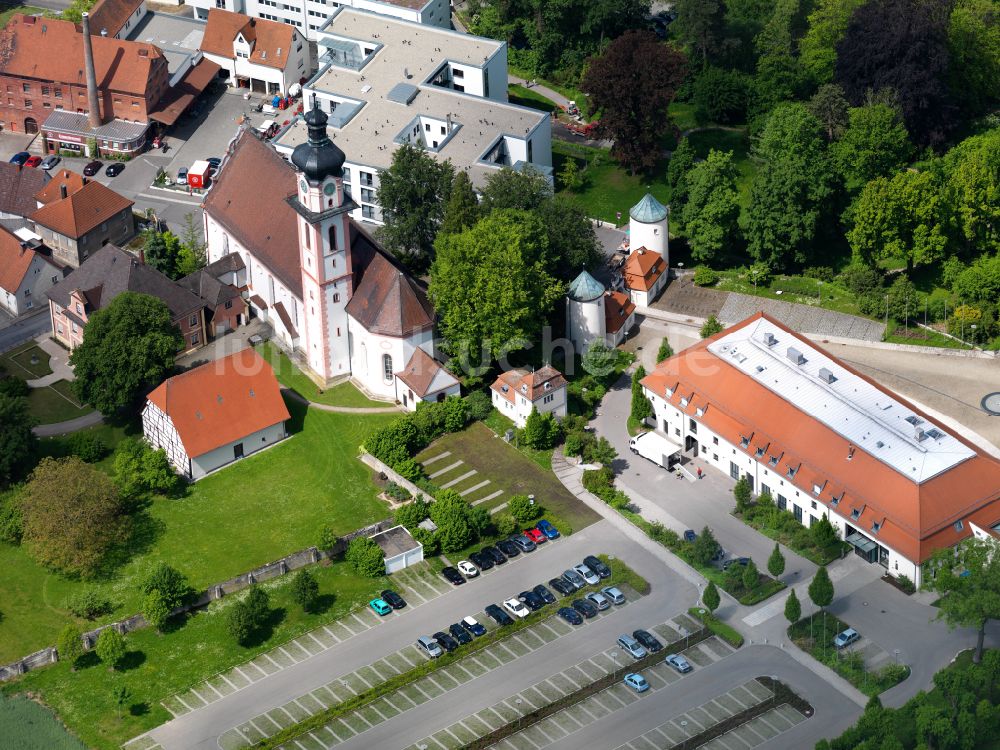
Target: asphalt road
{"points": [[23, 329], [671, 594]]}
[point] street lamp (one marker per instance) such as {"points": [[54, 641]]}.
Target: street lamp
{"points": [[895, 654], [519, 715], [611, 562], [973, 334]]}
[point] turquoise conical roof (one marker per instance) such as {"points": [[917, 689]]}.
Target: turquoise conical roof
{"points": [[585, 288], [648, 210]]}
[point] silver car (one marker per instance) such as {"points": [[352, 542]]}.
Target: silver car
{"points": [[631, 646], [429, 646], [599, 600], [679, 663], [587, 574], [614, 594], [574, 579]]}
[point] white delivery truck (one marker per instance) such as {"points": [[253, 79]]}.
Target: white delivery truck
{"points": [[656, 448]]}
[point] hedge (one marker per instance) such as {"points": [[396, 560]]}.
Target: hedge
{"points": [[726, 632]]}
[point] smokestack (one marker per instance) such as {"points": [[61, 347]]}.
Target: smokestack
{"points": [[94, 116], [62, 190]]}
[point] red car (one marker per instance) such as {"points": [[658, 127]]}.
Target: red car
{"points": [[536, 536], [33, 161]]}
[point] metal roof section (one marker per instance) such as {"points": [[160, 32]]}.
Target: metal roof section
{"points": [[402, 93], [585, 288], [63, 121], [866, 416], [648, 210]]}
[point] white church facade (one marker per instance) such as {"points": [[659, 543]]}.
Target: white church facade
{"points": [[335, 300]]}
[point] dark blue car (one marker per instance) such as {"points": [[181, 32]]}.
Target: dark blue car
{"points": [[20, 158], [550, 531]]}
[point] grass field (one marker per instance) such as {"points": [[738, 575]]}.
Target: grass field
{"points": [[55, 403], [250, 513], [834, 296], [28, 10], [525, 97], [18, 362], [897, 334], [166, 664], [682, 115], [25, 725], [290, 376]]}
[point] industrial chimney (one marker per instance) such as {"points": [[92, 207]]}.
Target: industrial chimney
{"points": [[94, 115]]}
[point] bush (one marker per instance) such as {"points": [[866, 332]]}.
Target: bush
{"points": [[11, 519], [139, 469], [906, 584], [821, 273], [87, 447], [705, 276], [861, 279], [327, 538], [721, 629], [575, 442], [88, 604], [711, 327], [598, 480], [454, 519], [14, 387], [170, 582], [110, 647], [720, 96], [705, 547], [522, 509], [239, 623], [397, 493], [432, 546], [411, 514], [409, 469], [366, 557], [478, 405], [505, 524], [70, 645], [600, 451], [305, 590], [155, 609]]}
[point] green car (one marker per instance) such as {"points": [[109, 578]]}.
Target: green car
{"points": [[380, 607]]}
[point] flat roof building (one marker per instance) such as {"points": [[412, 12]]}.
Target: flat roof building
{"points": [[760, 401], [385, 82]]}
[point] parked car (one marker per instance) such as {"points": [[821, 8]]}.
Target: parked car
{"points": [[563, 586], [20, 158], [460, 634], [393, 599], [614, 594], [735, 561], [679, 663], [95, 166], [548, 529], [429, 646], [587, 574], [468, 569], [574, 578], [182, 176], [499, 616], [570, 615], [473, 626], [523, 543], [33, 162], [597, 566], [544, 593], [631, 646], [720, 554], [637, 682], [533, 601], [536, 536], [114, 169], [214, 161], [649, 641], [585, 608], [516, 608], [446, 642], [379, 607], [599, 600], [845, 639], [49, 162], [508, 548], [494, 554], [481, 560], [453, 576], [690, 536]]}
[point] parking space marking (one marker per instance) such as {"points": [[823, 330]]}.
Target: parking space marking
{"points": [[445, 470], [461, 478]]}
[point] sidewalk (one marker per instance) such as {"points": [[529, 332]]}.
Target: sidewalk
{"points": [[58, 363]]}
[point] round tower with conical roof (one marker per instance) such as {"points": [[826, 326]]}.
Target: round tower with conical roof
{"points": [[648, 225], [585, 311]]}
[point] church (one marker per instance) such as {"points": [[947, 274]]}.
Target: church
{"points": [[336, 301]]}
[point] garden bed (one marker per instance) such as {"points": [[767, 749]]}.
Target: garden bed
{"points": [[782, 527]]}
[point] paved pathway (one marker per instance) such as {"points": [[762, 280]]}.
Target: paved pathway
{"points": [[72, 425], [58, 363], [341, 409]]}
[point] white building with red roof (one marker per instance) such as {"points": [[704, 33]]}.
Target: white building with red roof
{"points": [[594, 313], [216, 414], [27, 272], [760, 401], [647, 267], [516, 392]]}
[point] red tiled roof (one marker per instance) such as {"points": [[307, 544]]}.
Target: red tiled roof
{"points": [[642, 269], [531, 385], [270, 41], [221, 401], [79, 212], [421, 371], [15, 260], [72, 181], [111, 15], [173, 103], [51, 50], [617, 310], [916, 518], [389, 302]]}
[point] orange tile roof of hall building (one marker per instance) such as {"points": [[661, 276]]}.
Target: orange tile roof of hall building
{"points": [[769, 415]]}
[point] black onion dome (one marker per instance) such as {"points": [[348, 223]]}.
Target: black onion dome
{"points": [[318, 158]]}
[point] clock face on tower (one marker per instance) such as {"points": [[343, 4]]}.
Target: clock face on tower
{"points": [[330, 188], [303, 186]]}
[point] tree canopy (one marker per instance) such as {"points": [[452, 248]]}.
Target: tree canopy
{"points": [[712, 211], [874, 144], [127, 347], [17, 442]]}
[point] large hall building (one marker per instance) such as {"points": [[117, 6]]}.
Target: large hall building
{"points": [[759, 401]]}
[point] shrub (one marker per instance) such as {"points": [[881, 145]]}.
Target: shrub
{"points": [[821, 273], [505, 524], [409, 469], [11, 519], [575, 443], [453, 517], [139, 469], [170, 582], [598, 480], [305, 590], [395, 442], [155, 609], [478, 405], [366, 557], [14, 387], [705, 547], [327, 538], [600, 451], [540, 430], [89, 448], [411, 514], [665, 351], [522, 509], [110, 647], [861, 279], [88, 604], [711, 327], [455, 413], [906, 584], [397, 493], [259, 603], [70, 645], [743, 494], [429, 539], [705, 276], [239, 623]]}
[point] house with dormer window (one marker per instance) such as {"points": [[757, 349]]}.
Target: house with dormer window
{"points": [[264, 56], [516, 392]]}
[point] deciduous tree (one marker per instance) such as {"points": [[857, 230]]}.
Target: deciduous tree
{"points": [[827, 25], [111, 647], [524, 190], [17, 442], [710, 598], [973, 188], [139, 469], [705, 547], [452, 515], [830, 107], [366, 557], [522, 509], [974, 43], [155, 609], [305, 590], [412, 193], [699, 25], [191, 255], [875, 144], [69, 645], [710, 327], [72, 516], [712, 211], [462, 210], [169, 582], [642, 408], [127, 346], [632, 84]]}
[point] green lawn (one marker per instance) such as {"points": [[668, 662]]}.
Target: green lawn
{"points": [[18, 362], [526, 97], [608, 189], [682, 115], [250, 513], [570, 92], [897, 334], [799, 289], [28, 10], [170, 663], [292, 377], [511, 471], [55, 403], [25, 725]]}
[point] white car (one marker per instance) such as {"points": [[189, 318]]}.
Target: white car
{"points": [[516, 608], [587, 574], [468, 569]]}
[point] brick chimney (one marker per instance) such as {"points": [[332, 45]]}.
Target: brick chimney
{"points": [[94, 115]]}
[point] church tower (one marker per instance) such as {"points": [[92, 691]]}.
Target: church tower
{"points": [[324, 248]]}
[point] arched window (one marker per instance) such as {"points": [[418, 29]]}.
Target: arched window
{"points": [[387, 367], [333, 238]]}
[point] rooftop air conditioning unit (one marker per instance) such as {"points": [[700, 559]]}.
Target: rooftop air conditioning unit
{"points": [[769, 339], [795, 356], [826, 376]]}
